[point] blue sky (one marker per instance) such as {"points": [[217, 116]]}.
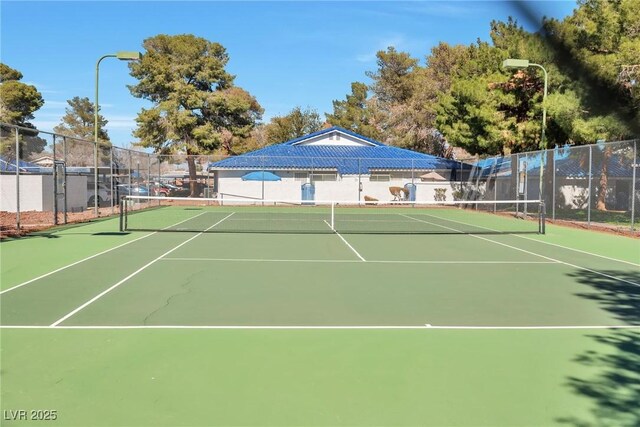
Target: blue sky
{"points": [[285, 53]]}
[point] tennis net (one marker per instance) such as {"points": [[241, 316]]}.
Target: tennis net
{"points": [[213, 215]]}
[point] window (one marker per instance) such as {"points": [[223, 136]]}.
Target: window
{"points": [[324, 176], [380, 177], [300, 176]]}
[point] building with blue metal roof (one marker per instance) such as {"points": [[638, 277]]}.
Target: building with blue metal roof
{"points": [[336, 164]]}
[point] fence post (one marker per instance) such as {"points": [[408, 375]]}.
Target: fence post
{"points": [[359, 181], [54, 176], [517, 169], [149, 176], [553, 186], [589, 201], [64, 190], [262, 180], [495, 184], [159, 159], [111, 178], [17, 156], [634, 165]]}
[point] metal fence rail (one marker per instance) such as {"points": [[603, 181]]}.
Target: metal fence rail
{"points": [[47, 179]]}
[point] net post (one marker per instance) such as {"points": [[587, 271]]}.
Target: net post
{"points": [[333, 216], [121, 214], [126, 212], [542, 218]]}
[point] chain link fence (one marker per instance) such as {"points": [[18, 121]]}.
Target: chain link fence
{"points": [[589, 186], [48, 179]]}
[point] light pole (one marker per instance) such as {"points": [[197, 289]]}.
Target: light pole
{"points": [[123, 56], [524, 63]]}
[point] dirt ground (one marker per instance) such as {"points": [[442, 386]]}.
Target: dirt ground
{"points": [[31, 221]]}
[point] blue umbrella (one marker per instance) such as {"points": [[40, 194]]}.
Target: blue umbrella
{"points": [[261, 176]]}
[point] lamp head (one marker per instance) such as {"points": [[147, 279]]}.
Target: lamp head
{"points": [[128, 55], [515, 63]]}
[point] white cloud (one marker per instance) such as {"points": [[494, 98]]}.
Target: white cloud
{"points": [[441, 9], [121, 122], [46, 125], [43, 88], [55, 104]]}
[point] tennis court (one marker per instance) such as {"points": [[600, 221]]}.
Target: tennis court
{"points": [[317, 315]]}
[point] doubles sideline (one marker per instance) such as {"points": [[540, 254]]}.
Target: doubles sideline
{"points": [[101, 294], [93, 256], [619, 279]]}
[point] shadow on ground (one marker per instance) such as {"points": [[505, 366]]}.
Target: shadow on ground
{"points": [[614, 388]]}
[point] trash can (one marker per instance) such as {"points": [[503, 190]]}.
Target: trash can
{"points": [[412, 192], [308, 194]]}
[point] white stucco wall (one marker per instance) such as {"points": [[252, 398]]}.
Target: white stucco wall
{"points": [[36, 193], [345, 188]]}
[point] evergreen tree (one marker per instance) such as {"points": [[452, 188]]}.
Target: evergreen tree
{"points": [[18, 102], [78, 121], [196, 108], [295, 124], [354, 113]]}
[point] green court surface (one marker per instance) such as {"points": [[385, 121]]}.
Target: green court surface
{"points": [[401, 317]]}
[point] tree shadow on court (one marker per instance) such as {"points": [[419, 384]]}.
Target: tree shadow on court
{"points": [[614, 386]]}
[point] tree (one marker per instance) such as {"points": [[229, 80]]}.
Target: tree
{"points": [[9, 74], [297, 123], [196, 106], [402, 105], [257, 139], [469, 117], [18, 102], [392, 82], [78, 123], [355, 113]]}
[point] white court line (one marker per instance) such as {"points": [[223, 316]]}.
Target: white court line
{"points": [[92, 256], [65, 317], [522, 250], [356, 261], [345, 241], [577, 250], [542, 241], [327, 327]]}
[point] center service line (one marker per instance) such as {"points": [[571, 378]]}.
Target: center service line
{"points": [[347, 243]]}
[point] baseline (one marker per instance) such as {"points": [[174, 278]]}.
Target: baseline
{"points": [[327, 327]]}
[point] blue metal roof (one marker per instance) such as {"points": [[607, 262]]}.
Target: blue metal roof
{"points": [[343, 158], [568, 163], [9, 165]]}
